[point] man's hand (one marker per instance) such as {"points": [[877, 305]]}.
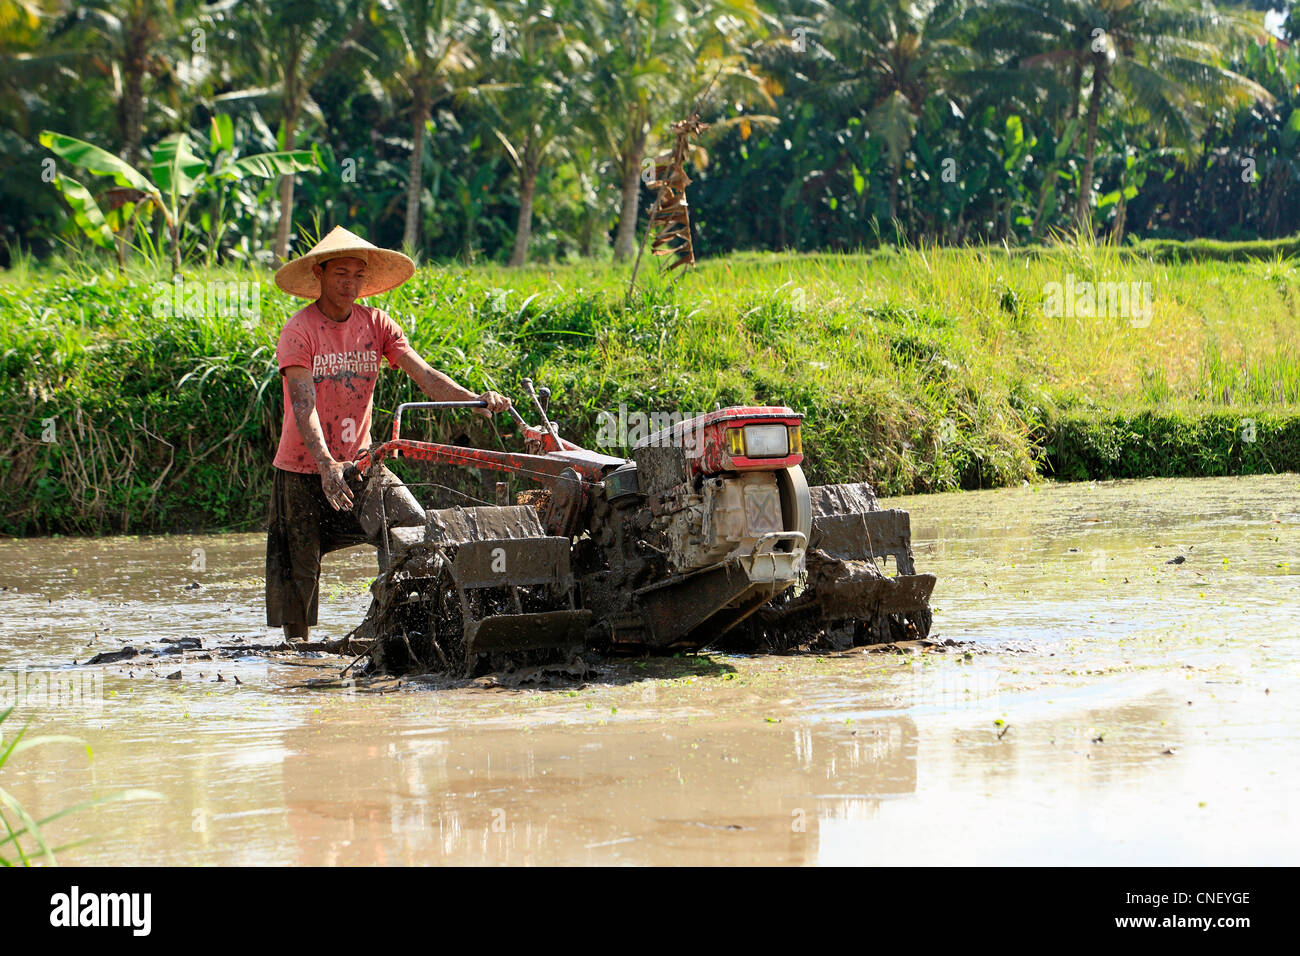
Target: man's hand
{"points": [[302, 396], [337, 492], [496, 402]]}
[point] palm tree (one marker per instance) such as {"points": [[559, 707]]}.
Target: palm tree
{"points": [[126, 37], [896, 55], [1161, 61], [638, 51], [535, 90], [297, 42], [426, 37], [651, 60], [1040, 50]]}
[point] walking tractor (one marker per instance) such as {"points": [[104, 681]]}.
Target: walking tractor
{"points": [[707, 535]]}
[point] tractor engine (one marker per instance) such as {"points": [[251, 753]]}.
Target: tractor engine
{"points": [[727, 516], [727, 485]]}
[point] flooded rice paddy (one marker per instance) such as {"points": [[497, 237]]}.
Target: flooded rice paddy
{"points": [[1100, 704]]}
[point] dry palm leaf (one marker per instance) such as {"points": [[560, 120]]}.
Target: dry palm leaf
{"points": [[670, 219]]}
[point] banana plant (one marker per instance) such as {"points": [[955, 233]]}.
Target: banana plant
{"points": [[1133, 158], [177, 177]]}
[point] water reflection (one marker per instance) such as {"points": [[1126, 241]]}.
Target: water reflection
{"points": [[591, 796]]}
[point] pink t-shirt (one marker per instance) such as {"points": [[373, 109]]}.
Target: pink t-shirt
{"points": [[344, 361]]}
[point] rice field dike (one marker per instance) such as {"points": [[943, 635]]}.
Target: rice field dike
{"points": [[135, 401]]}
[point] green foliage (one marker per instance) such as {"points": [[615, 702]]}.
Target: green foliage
{"points": [[180, 177], [1171, 444], [928, 369], [864, 120]]}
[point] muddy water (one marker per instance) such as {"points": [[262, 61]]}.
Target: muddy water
{"points": [[1149, 712]]}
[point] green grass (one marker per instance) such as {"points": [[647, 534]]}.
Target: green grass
{"points": [[919, 370], [1171, 250]]}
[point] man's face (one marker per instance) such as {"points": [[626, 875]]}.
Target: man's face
{"points": [[340, 279]]}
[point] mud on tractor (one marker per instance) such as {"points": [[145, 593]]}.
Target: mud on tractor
{"points": [[708, 535]]}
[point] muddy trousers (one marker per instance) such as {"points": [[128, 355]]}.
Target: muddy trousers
{"points": [[303, 528]]}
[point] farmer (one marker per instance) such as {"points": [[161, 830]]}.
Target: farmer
{"points": [[329, 355]]}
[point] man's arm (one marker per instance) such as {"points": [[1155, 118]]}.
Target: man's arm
{"points": [[441, 388], [302, 396]]}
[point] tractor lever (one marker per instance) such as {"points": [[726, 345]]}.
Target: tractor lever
{"points": [[541, 409]]}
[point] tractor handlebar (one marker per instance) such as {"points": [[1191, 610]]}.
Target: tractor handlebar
{"points": [[473, 403], [397, 416]]}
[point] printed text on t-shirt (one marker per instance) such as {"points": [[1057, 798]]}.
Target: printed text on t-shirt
{"points": [[356, 362]]}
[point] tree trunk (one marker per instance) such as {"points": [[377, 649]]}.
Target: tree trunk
{"points": [[1090, 144], [415, 175], [524, 227], [1042, 201], [629, 213], [587, 234], [1274, 206], [285, 226], [133, 66], [893, 199], [1117, 227], [1076, 90]]}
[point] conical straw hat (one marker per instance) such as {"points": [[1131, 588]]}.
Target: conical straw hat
{"points": [[385, 269]]}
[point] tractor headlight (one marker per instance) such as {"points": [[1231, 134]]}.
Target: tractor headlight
{"points": [[736, 442], [766, 441]]}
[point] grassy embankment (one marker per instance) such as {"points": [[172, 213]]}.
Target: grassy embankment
{"points": [[920, 370]]}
